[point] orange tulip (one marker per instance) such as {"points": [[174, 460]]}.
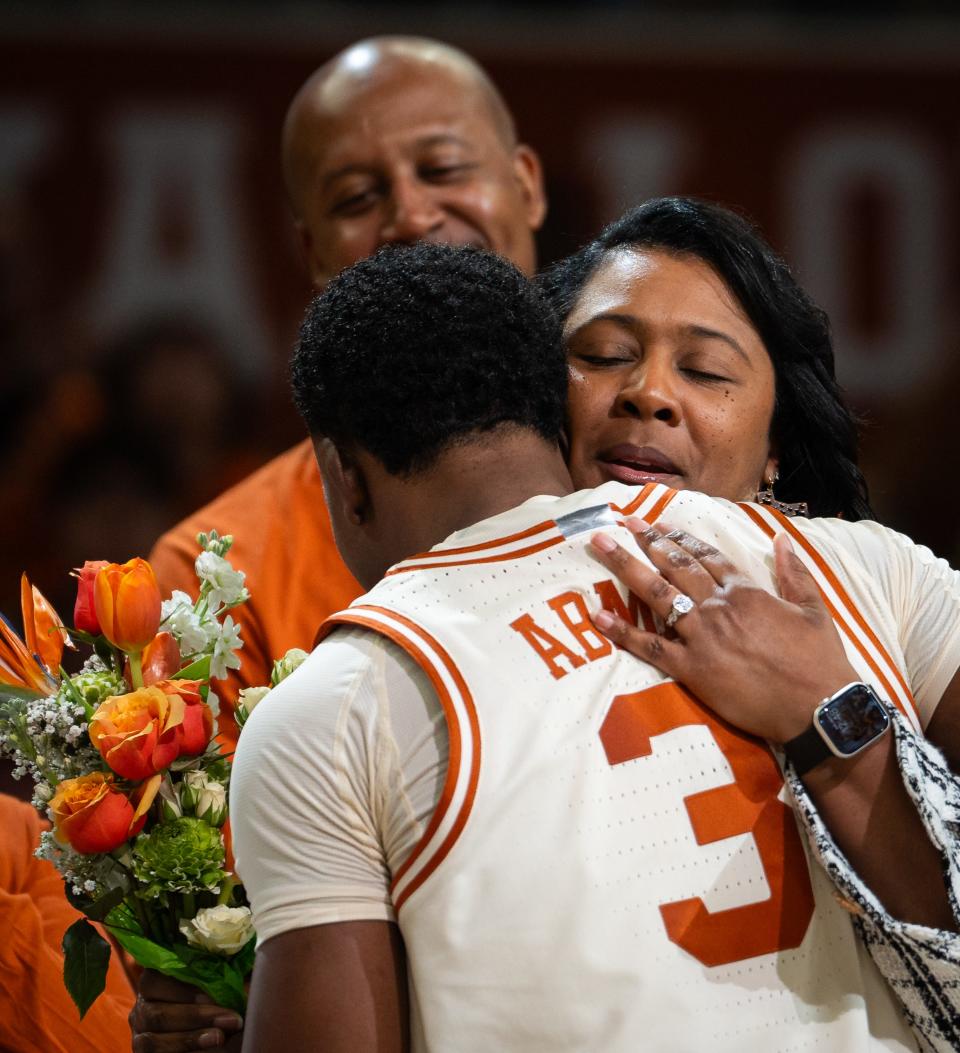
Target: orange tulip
{"points": [[127, 601], [196, 729], [137, 733], [92, 815]]}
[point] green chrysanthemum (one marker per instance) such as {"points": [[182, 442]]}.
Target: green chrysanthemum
{"points": [[95, 685], [185, 855]]}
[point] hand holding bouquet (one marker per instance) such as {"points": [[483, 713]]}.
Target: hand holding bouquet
{"points": [[123, 762]]}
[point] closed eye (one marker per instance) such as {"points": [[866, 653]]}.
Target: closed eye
{"points": [[707, 377]]}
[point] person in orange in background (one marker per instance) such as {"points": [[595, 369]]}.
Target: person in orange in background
{"points": [[394, 140], [36, 1013]]}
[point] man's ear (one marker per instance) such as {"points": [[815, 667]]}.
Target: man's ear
{"points": [[343, 480], [529, 172]]}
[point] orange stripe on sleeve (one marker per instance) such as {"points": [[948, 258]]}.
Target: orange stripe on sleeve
{"points": [[844, 597], [355, 616]]}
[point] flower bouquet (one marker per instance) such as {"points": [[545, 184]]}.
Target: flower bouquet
{"points": [[124, 763]]}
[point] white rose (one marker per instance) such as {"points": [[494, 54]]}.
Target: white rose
{"points": [[247, 701], [286, 665], [222, 930], [169, 801], [205, 797]]}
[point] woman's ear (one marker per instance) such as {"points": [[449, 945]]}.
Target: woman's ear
{"points": [[344, 483]]}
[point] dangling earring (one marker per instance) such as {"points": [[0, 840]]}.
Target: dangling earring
{"points": [[788, 508]]}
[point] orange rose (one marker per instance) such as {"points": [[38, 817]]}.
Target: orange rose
{"points": [[92, 815], [137, 733], [196, 729], [127, 603]]}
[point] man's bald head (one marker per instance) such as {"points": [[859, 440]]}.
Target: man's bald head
{"points": [[406, 139]]}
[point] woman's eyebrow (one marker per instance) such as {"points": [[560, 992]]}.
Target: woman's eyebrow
{"points": [[705, 332], [627, 321]]}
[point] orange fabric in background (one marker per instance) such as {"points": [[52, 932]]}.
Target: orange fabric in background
{"points": [[284, 544], [36, 1013]]}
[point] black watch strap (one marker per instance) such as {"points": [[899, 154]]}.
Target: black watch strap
{"points": [[807, 750]]}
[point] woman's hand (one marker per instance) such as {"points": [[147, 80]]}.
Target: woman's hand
{"points": [[171, 1017], [759, 661]]}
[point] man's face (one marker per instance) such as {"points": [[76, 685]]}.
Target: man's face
{"points": [[411, 154]]}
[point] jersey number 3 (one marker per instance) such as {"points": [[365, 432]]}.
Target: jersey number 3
{"points": [[748, 805]]}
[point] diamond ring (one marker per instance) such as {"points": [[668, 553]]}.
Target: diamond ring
{"points": [[682, 604]]}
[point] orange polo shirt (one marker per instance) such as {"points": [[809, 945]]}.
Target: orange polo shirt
{"points": [[284, 544], [36, 1013]]}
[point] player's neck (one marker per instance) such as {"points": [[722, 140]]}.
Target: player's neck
{"points": [[465, 485], [484, 478]]}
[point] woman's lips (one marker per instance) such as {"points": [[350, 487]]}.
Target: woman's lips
{"points": [[638, 465]]}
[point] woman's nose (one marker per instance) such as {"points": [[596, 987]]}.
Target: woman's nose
{"points": [[649, 393]]}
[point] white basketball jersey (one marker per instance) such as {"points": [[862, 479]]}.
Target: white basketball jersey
{"points": [[611, 867]]}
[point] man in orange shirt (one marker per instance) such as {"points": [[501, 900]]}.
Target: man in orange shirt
{"points": [[395, 140], [36, 1013]]}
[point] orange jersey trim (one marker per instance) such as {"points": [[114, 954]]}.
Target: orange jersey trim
{"points": [[515, 553], [438, 561], [356, 616], [519, 536], [821, 564]]}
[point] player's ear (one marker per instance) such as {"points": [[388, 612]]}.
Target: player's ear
{"points": [[344, 483]]}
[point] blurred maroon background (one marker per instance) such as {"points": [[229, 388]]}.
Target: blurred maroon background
{"points": [[150, 287]]}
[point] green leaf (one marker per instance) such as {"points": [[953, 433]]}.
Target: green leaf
{"points": [[221, 978], [97, 909], [86, 955], [198, 670]]}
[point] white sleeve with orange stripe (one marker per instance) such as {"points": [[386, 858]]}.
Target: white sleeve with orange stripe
{"points": [[925, 594], [336, 776], [921, 591]]}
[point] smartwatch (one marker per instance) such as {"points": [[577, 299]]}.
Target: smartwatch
{"points": [[843, 725]]}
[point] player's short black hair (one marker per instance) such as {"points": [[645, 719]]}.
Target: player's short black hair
{"points": [[417, 348], [815, 432]]}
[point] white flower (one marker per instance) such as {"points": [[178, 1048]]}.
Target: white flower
{"points": [[169, 801], [225, 584], [227, 641], [205, 797], [247, 701], [286, 665], [222, 930], [180, 619]]}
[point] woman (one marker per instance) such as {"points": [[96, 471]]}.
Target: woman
{"points": [[695, 381], [695, 360]]}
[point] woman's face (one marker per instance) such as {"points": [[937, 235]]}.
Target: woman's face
{"points": [[669, 381]]}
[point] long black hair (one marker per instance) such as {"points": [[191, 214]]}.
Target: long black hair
{"points": [[814, 432]]}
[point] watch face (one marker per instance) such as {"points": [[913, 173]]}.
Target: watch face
{"points": [[853, 720]]}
